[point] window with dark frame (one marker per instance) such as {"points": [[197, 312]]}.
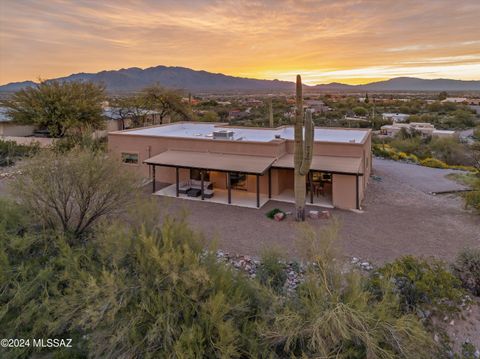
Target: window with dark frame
{"points": [[130, 158]]}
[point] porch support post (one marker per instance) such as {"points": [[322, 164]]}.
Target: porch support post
{"points": [[357, 191], [177, 182], [270, 183], [310, 181], [202, 179], [258, 191], [229, 188], [153, 177]]}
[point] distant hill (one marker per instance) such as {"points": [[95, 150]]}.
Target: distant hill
{"points": [[412, 83], [135, 79]]}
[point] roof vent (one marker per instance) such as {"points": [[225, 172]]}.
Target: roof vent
{"points": [[223, 135], [352, 141], [278, 137]]}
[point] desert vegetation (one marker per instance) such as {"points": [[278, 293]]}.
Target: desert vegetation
{"points": [[11, 152], [428, 151], [82, 260]]}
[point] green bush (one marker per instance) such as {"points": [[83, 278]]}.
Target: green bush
{"points": [[271, 214], [10, 152], [476, 133], [467, 268], [271, 270], [421, 286], [472, 200]]}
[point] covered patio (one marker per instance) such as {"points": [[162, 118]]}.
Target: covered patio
{"points": [[340, 165], [238, 198], [229, 164]]}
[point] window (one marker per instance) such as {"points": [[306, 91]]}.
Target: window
{"points": [[238, 181], [195, 174], [130, 158]]}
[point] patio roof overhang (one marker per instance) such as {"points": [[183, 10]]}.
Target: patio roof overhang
{"points": [[332, 164], [212, 161]]}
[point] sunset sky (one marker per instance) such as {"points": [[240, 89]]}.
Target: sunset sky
{"points": [[348, 41]]}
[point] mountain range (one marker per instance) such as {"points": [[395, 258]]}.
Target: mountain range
{"points": [[135, 79]]}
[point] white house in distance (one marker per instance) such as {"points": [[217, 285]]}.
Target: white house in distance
{"points": [[426, 129], [395, 117]]}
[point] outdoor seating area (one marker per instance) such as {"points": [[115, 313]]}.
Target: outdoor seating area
{"points": [[193, 188], [239, 198]]}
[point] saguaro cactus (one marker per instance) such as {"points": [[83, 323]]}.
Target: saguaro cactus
{"points": [[270, 112], [303, 151]]}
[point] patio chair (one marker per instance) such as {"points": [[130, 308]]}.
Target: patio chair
{"points": [[208, 193], [184, 187]]}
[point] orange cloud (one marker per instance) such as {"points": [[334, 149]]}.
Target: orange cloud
{"points": [[350, 41]]}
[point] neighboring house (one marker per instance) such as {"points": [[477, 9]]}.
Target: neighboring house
{"points": [[237, 114], [9, 128], [246, 166], [426, 129], [316, 105], [395, 117], [456, 99]]}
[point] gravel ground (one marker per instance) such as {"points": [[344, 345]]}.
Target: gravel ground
{"points": [[399, 218], [424, 179]]}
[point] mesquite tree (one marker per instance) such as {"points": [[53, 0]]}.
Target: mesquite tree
{"points": [[303, 151]]}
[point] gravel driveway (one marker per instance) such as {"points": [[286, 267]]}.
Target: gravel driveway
{"points": [[425, 179], [399, 218]]}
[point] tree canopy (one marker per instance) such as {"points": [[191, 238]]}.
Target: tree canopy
{"points": [[58, 106]]}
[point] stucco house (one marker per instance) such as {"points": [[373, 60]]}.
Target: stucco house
{"points": [[424, 128], [246, 166], [8, 128]]}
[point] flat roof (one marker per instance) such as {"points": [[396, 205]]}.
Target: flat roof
{"points": [[205, 131], [335, 164], [212, 161]]}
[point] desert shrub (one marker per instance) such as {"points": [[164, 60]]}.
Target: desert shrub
{"points": [[132, 293], [433, 162], [71, 192], [333, 315], [10, 152], [12, 217], [409, 145], [204, 308], [476, 133], [271, 270], [383, 150], [472, 200], [80, 141], [467, 268], [449, 150], [422, 286]]}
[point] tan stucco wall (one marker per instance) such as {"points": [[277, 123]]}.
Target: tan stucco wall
{"points": [[343, 191], [14, 130]]}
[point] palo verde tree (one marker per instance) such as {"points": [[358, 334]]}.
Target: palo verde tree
{"points": [[58, 106], [129, 108], [303, 151], [167, 104]]}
